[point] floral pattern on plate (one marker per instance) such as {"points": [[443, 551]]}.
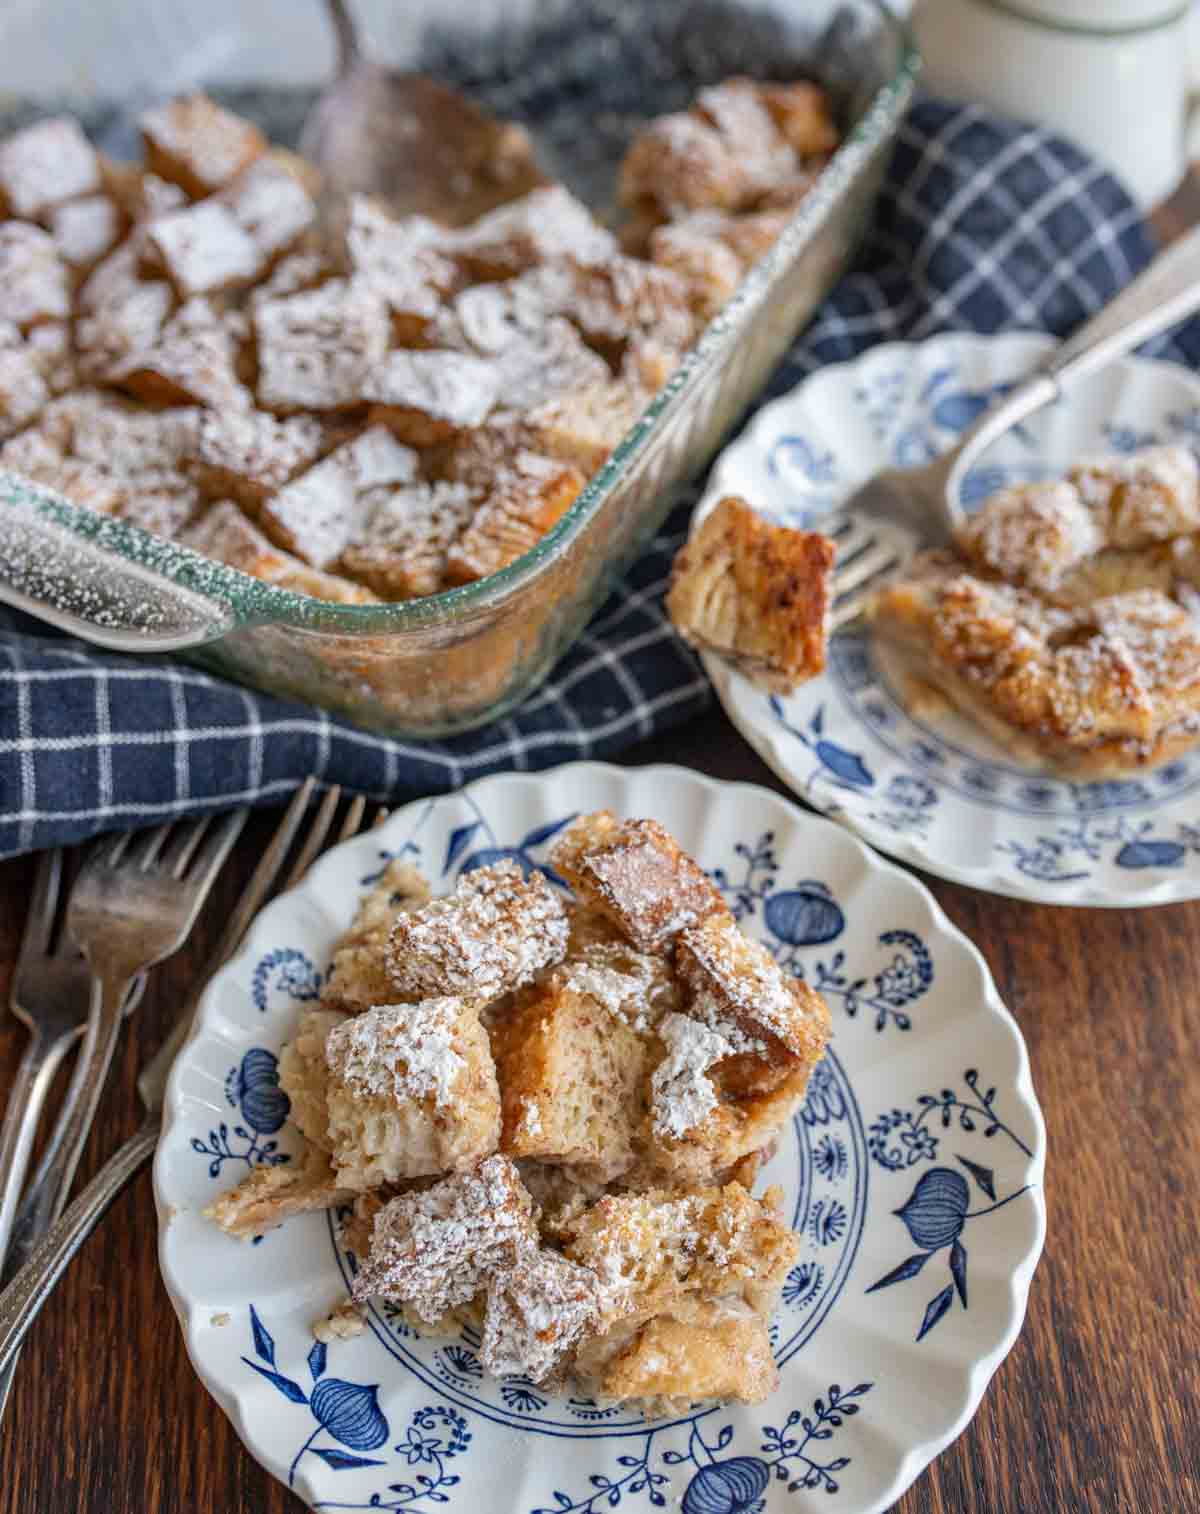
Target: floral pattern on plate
{"points": [[898, 1164]]}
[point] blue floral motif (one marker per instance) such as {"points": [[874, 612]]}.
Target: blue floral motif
{"points": [[830, 1158], [796, 454], [435, 1436], [1125, 438], [461, 1361], [899, 1138], [462, 836], [287, 971], [824, 1103], [904, 980], [521, 1396], [746, 894], [347, 1412], [938, 1209], [802, 1284], [911, 802], [252, 1088], [842, 768], [1051, 857], [827, 1221], [729, 1484]]}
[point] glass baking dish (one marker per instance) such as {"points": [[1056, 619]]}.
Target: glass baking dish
{"points": [[582, 76]]}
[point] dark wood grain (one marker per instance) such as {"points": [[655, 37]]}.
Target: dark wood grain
{"points": [[1096, 1409]]}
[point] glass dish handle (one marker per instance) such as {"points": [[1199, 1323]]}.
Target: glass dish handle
{"points": [[55, 564]]}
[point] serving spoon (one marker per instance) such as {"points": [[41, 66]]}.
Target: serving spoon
{"points": [[418, 145]]}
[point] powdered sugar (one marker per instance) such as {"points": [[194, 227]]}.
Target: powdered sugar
{"points": [[537, 1309], [682, 1094], [434, 1249], [492, 934], [400, 1051]]}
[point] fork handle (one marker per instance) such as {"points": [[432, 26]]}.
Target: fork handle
{"points": [[21, 1301], [87, 1085], [22, 1112], [1160, 297]]}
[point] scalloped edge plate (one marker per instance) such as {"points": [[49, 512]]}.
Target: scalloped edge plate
{"points": [[934, 791], [927, 1097]]}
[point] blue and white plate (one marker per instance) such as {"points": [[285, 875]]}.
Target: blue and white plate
{"points": [[913, 1173], [935, 790]]}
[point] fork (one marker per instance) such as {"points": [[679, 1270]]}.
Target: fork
{"points": [[22, 1299], [50, 993], [929, 499]]}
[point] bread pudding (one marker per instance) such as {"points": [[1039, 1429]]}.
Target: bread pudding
{"points": [[543, 1114]]}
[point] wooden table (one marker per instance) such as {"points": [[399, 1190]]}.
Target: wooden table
{"points": [[1096, 1409]]}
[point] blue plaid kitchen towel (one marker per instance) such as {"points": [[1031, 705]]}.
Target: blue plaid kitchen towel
{"points": [[983, 225]]}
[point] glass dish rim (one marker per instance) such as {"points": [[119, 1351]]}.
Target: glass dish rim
{"points": [[253, 601]]}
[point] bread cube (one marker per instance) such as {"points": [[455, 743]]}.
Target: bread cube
{"points": [[526, 496], [50, 345], [357, 979], [545, 364], [34, 283], [434, 1250], [634, 873], [538, 1308], [44, 165], [86, 230], [304, 1075], [1143, 497], [609, 302], [247, 455], [192, 361], [546, 224], [572, 1081], [734, 980], [694, 250], [584, 426], [225, 535], [493, 934], [735, 107], [196, 144], [401, 261], [756, 593], [271, 203], [426, 397], [680, 163], [411, 1092], [801, 111], [271, 1195], [316, 348], [119, 312], [400, 550], [708, 1348], [23, 390], [1034, 534], [651, 1250], [138, 194], [203, 249], [320, 512]]}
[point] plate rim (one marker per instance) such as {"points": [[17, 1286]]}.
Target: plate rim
{"points": [[1019, 1280], [769, 745]]}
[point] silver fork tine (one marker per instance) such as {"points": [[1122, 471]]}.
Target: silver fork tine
{"points": [[875, 559], [211, 849], [43, 906], [353, 818], [147, 846], [315, 839], [177, 852]]}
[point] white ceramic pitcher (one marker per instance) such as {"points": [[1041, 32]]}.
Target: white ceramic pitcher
{"points": [[1113, 75]]}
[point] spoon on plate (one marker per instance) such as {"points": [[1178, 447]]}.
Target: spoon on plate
{"points": [[418, 145]]}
